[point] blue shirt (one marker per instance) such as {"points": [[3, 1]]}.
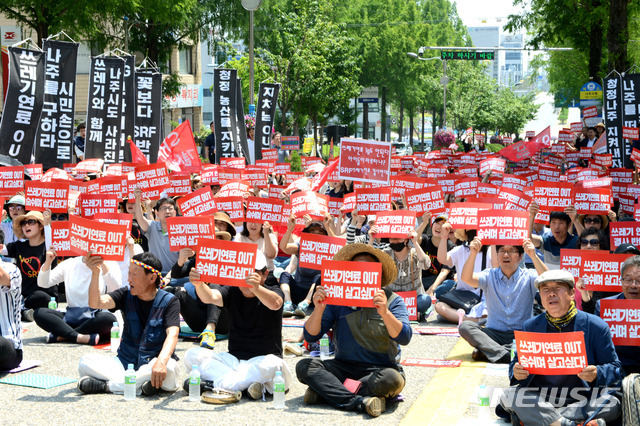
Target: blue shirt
{"points": [[551, 249], [509, 300]]}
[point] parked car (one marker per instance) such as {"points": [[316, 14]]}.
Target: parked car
{"points": [[403, 148]]}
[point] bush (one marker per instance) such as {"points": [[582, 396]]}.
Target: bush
{"points": [[295, 161]]}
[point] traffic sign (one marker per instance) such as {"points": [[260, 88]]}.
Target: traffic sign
{"points": [[369, 95], [477, 56], [591, 90]]}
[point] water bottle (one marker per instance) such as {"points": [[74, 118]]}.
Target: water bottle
{"points": [[278, 391], [130, 383], [194, 384], [115, 338], [513, 349], [484, 412], [324, 347], [53, 304]]}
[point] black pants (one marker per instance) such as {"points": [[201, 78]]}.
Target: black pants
{"points": [[326, 378], [198, 314], [53, 322], [37, 299], [9, 356]]}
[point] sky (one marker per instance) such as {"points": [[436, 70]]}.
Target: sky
{"points": [[473, 11]]}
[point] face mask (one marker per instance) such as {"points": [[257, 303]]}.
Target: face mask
{"points": [[397, 247]]}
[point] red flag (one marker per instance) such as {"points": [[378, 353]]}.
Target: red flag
{"points": [[321, 178], [136, 155], [179, 151]]}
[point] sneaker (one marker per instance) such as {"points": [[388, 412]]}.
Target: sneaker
{"points": [[27, 315], [205, 385], [301, 310], [288, 309], [311, 397], [255, 390], [148, 389], [208, 339], [374, 405], [51, 338], [89, 385]]}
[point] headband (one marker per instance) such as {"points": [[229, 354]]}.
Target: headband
{"points": [[147, 267]]}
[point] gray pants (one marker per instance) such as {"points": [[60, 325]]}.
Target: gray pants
{"points": [[495, 344], [532, 409]]}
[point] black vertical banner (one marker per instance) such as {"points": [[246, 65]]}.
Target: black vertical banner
{"points": [[148, 114], [612, 112], [23, 104], [54, 140], [104, 109], [128, 118], [224, 112], [265, 114], [630, 109], [242, 147]]}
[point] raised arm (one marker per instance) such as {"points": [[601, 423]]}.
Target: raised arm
{"points": [[443, 254], [96, 300], [143, 222], [206, 294], [467, 275], [286, 245], [533, 211]]}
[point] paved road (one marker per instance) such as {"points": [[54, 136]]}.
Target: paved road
{"points": [[442, 396]]}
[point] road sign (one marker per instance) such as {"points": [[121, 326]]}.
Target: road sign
{"points": [[591, 90], [369, 95], [474, 56]]}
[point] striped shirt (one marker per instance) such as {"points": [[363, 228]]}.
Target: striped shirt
{"points": [[11, 305]]}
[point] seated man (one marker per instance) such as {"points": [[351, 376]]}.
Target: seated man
{"points": [[630, 280], [566, 399], [151, 327], [10, 320], [559, 238], [366, 340], [255, 336], [509, 293]]}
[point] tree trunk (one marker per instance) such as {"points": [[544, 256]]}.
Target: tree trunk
{"points": [[401, 118], [618, 36], [411, 111], [433, 124], [383, 115], [422, 148], [365, 120], [595, 50], [355, 103]]}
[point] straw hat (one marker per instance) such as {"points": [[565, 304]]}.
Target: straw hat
{"points": [[603, 217], [389, 269], [223, 235], [223, 217], [17, 229]]}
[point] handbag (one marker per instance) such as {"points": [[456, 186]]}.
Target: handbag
{"points": [[463, 299], [75, 316]]}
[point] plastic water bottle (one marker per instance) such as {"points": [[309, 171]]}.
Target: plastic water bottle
{"points": [[130, 383], [194, 384], [278, 391], [53, 304], [513, 349], [484, 412], [324, 347], [115, 338]]}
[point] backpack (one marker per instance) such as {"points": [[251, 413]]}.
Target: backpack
{"points": [[631, 400]]}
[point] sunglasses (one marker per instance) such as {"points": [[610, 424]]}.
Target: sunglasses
{"points": [[60, 216], [593, 220], [16, 207], [29, 222], [592, 242]]}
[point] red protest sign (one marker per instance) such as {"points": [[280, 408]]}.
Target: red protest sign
{"points": [[468, 171], [309, 202], [551, 353], [563, 136], [61, 242], [507, 140], [153, 180], [189, 231], [395, 224], [236, 188], [226, 262], [427, 199], [592, 200], [180, 184], [570, 261], [553, 196], [514, 182], [467, 187], [576, 127], [364, 161], [268, 165], [349, 203], [232, 162], [315, 249], [600, 270], [276, 190], [624, 233], [200, 202], [620, 178], [503, 226], [604, 160], [102, 239], [233, 206], [256, 176], [411, 302], [41, 196], [373, 200], [401, 184], [623, 318], [465, 215], [487, 190], [92, 165], [548, 172], [260, 210], [209, 174], [282, 168], [34, 171], [627, 204], [90, 204], [436, 172], [590, 112], [632, 133], [479, 137], [496, 165], [11, 180], [125, 219], [335, 204], [228, 174], [270, 154], [351, 283]]}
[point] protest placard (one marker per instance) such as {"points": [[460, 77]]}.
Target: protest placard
{"points": [[233, 206], [232, 163], [60, 240], [553, 196], [514, 182], [309, 202], [256, 176], [505, 227], [364, 160], [624, 233], [102, 239], [373, 200], [495, 165], [349, 203], [225, 262], [185, 231], [604, 160], [570, 261], [590, 112], [40, 196], [465, 215], [90, 204], [179, 184], [401, 184], [228, 174], [200, 202], [395, 224], [270, 154], [514, 199], [315, 249], [11, 180], [623, 318], [260, 210], [631, 133], [125, 219], [600, 270], [268, 165], [487, 190], [290, 142], [548, 172], [437, 172], [351, 283], [411, 302], [427, 199], [153, 180], [236, 188], [467, 187], [282, 168], [209, 174], [592, 200], [551, 353]]}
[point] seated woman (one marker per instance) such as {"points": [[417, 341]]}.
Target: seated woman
{"points": [[80, 324], [591, 239], [10, 305], [13, 209]]}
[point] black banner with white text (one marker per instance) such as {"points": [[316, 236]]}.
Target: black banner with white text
{"points": [[265, 114], [224, 112], [148, 114]]}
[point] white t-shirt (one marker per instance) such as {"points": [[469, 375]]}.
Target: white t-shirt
{"points": [[459, 256]]}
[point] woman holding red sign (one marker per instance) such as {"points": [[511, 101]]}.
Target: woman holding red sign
{"points": [[264, 237]]}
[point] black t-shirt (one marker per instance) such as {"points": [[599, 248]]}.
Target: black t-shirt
{"points": [[29, 259], [429, 275], [138, 236], [254, 329], [210, 141], [171, 317]]}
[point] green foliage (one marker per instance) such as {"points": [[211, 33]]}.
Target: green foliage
{"points": [[261, 72], [564, 114], [295, 161], [171, 85]]}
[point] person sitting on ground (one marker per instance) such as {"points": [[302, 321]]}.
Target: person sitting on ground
{"points": [[255, 336], [438, 276], [559, 238], [509, 294], [574, 398], [10, 321], [150, 334], [13, 209], [80, 323], [590, 239], [367, 343]]}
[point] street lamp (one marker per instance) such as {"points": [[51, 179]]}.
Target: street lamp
{"points": [[444, 80], [251, 6]]}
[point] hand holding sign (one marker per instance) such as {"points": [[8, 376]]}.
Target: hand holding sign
{"points": [[380, 302]]}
